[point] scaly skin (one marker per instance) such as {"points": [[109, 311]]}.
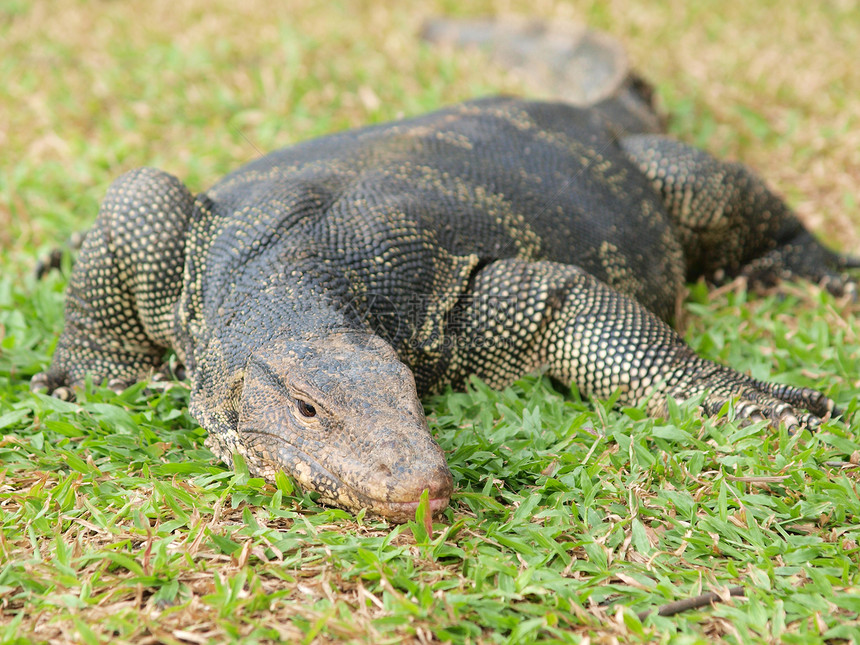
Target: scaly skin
{"points": [[317, 293]]}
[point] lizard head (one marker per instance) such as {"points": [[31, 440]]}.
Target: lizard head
{"points": [[340, 414]]}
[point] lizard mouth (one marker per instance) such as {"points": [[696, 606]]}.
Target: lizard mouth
{"points": [[405, 511], [352, 498], [334, 490]]}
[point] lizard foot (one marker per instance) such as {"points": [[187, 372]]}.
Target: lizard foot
{"points": [[53, 384], [778, 404], [805, 258], [59, 387]]}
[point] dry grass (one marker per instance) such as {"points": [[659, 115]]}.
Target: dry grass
{"points": [[772, 83]]}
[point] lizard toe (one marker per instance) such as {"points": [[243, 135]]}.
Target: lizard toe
{"points": [[795, 409], [779, 412], [53, 383], [750, 410], [64, 393], [810, 421], [41, 383], [818, 403], [118, 384]]}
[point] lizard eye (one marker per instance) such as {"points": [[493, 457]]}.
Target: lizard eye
{"points": [[306, 409]]}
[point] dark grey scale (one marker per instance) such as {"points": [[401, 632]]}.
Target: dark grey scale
{"points": [[314, 294]]}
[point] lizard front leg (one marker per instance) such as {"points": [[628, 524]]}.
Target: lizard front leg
{"points": [[124, 285], [523, 315]]}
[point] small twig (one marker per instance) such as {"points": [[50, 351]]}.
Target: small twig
{"points": [[757, 479], [841, 464], [695, 602], [249, 142]]}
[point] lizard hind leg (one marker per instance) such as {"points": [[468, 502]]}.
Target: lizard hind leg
{"points": [[730, 223], [124, 286]]}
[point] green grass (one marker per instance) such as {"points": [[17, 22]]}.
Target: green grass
{"points": [[569, 518]]}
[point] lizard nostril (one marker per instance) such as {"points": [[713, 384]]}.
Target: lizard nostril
{"points": [[383, 469]]}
